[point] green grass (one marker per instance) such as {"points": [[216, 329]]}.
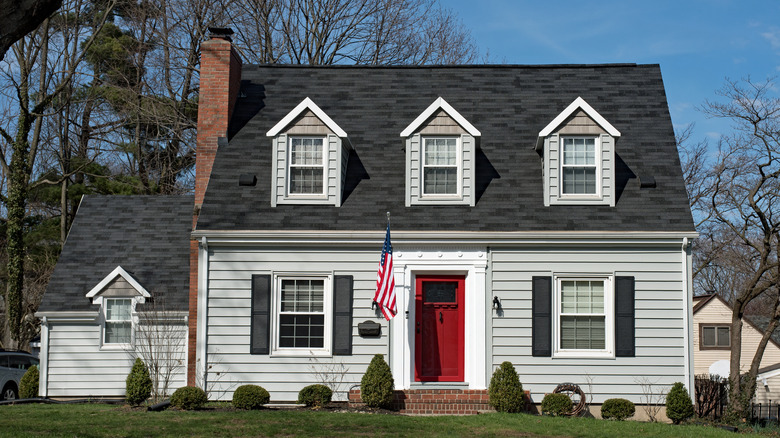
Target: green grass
{"points": [[97, 420]]}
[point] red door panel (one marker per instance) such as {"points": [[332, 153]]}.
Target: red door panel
{"points": [[439, 329]]}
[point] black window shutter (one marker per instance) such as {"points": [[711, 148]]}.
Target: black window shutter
{"points": [[541, 322], [342, 315], [260, 331], [625, 345]]}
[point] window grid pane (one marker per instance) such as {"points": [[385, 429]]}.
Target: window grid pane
{"points": [[723, 337], [440, 166], [579, 166], [708, 336], [301, 331], [118, 327], [301, 321], [582, 323], [306, 166]]}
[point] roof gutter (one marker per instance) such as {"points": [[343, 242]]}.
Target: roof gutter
{"points": [[55, 316]]}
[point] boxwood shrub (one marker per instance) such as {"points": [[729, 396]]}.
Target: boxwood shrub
{"points": [[250, 397], [679, 406], [556, 404], [189, 398], [28, 386], [315, 395], [138, 386], [376, 386], [617, 408], [505, 390]]}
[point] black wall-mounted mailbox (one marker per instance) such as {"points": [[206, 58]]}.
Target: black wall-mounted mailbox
{"points": [[369, 328]]}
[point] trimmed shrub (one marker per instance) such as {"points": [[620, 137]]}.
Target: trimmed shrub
{"points": [[617, 408], [28, 386], [315, 395], [189, 398], [250, 397], [506, 391], [679, 406], [138, 386], [376, 386], [557, 405]]}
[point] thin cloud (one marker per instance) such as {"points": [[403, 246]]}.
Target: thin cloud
{"points": [[773, 36]]}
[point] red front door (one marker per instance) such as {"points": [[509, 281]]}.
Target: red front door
{"points": [[439, 329]]}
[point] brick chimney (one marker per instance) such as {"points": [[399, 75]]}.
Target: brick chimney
{"points": [[220, 79]]}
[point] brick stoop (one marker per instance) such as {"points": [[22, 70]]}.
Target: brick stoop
{"points": [[435, 401]]}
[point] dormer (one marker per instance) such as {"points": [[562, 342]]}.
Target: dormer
{"points": [[117, 295], [578, 150], [441, 148], [310, 153]]}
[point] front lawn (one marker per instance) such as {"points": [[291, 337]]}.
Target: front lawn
{"points": [[99, 420]]}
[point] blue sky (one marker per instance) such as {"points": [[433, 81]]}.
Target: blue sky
{"points": [[697, 43]]}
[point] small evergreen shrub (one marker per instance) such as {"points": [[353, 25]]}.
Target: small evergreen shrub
{"points": [[189, 398], [28, 386], [617, 408], [376, 386], [679, 406], [505, 390], [315, 395], [138, 386], [250, 397], [556, 404]]}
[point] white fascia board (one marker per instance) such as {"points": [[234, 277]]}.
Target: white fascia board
{"points": [[440, 103], [286, 237], [54, 316], [118, 271], [304, 105], [579, 103], [768, 374]]}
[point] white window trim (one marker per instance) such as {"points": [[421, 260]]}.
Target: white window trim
{"points": [[276, 303], [609, 321], [458, 164], [598, 164], [288, 170], [103, 302]]}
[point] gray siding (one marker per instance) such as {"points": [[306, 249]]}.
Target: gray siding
{"points": [[660, 333], [229, 309], [78, 367]]}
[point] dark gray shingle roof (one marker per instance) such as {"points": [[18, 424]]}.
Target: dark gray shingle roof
{"points": [[147, 235], [508, 104]]}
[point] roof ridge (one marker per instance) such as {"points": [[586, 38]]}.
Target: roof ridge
{"points": [[450, 66]]}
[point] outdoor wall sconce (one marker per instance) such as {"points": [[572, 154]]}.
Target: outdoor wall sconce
{"points": [[496, 303]]}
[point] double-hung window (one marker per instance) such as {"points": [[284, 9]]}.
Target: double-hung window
{"points": [[306, 166], [585, 318], [715, 336], [579, 168], [118, 321], [440, 166], [303, 322]]}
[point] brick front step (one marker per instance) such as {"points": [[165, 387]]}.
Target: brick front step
{"points": [[435, 401]]}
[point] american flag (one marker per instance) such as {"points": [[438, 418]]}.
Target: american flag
{"points": [[385, 281]]}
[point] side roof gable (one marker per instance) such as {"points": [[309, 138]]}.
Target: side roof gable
{"points": [[306, 104], [578, 104], [706, 299], [118, 272], [440, 104]]}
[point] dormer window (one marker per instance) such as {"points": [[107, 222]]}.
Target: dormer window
{"points": [[119, 323], [309, 155], [306, 172], [578, 157], [579, 168], [441, 148], [441, 166], [117, 295]]}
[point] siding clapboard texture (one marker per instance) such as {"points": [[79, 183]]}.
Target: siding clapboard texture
{"points": [[716, 312], [659, 307], [78, 367]]}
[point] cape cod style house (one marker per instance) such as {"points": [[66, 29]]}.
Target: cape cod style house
{"points": [[538, 216]]}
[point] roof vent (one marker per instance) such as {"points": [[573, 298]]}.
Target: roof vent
{"points": [[246, 179], [647, 182], [222, 33]]}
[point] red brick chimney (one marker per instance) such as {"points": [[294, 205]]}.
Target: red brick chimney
{"points": [[220, 79]]}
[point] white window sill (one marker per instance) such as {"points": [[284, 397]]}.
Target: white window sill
{"points": [[116, 347], [583, 354], [300, 353]]}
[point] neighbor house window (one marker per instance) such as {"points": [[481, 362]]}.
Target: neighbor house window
{"points": [[584, 315], [716, 336], [579, 167], [307, 166], [303, 321], [118, 321], [440, 166]]}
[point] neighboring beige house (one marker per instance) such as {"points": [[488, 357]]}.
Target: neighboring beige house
{"points": [[711, 343]]}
